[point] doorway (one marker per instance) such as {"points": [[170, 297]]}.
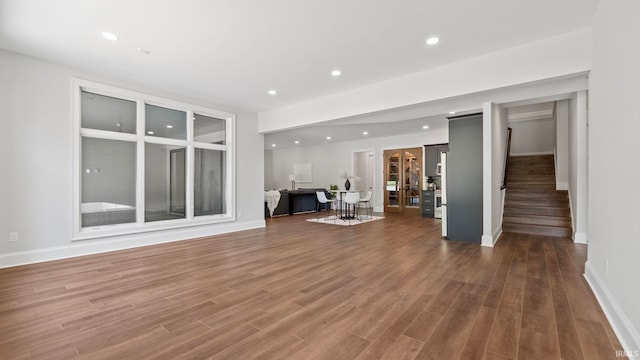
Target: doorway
{"points": [[402, 180], [363, 170]]}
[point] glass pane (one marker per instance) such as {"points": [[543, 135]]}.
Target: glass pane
{"points": [[166, 123], [164, 182], [392, 181], [412, 180], [209, 182], [209, 130], [108, 182], [107, 113]]}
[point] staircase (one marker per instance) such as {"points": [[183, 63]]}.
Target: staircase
{"points": [[532, 203]]}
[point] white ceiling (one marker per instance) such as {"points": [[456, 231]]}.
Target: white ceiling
{"points": [[233, 51]]}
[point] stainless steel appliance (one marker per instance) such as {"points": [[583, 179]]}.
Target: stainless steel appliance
{"points": [[437, 204]]}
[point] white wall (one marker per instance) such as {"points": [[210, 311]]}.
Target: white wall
{"points": [[268, 170], [328, 160], [498, 145], [614, 195], [37, 165], [578, 165], [562, 144], [514, 66], [532, 137]]}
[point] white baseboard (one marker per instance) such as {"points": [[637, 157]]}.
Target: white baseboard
{"points": [[562, 185], [623, 328], [378, 209], [580, 238], [122, 242], [532, 153], [487, 240]]}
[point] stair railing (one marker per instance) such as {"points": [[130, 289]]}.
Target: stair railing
{"points": [[507, 153]]}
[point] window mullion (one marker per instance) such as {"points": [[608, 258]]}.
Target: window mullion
{"points": [[140, 161], [189, 181]]}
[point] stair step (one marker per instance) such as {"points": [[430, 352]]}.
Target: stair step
{"points": [[555, 231], [528, 171], [537, 202], [524, 186], [532, 204], [532, 158], [530, 210], [533, 195], [537, 220]]}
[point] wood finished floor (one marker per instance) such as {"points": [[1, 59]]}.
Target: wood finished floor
{"points": [[390, 289]]}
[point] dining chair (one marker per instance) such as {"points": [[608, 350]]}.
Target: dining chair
{"points": [[366, 201], [322, 200], [352, 199]]}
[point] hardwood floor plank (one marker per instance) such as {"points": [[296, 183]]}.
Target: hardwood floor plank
{"points": [[594, 340], [568, 339], [479, 336], [535, 346], [391, 289], [452, 332], [405, 348]]}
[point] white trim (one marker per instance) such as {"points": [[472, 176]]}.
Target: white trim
{"points": [[530, 116], [562, 185], [580, 238], [487, 240], [573, 221], [487, 174], [622, 326], [532, 153], [142, 99], [122, 242]]}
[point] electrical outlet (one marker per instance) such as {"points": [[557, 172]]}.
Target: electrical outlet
{"points": [[13, 237], [606, 265]]}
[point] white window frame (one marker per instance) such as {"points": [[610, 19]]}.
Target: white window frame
{"points": [[140, 138]]}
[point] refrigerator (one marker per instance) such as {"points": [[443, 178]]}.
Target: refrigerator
{"points": [[443, 191]]}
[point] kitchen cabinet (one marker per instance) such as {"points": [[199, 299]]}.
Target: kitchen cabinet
{"points": [[428, 205], [433, 158]]}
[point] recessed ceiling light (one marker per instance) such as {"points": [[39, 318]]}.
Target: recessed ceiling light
{"points": [[169, 126], [425, 127], [109, 36], [365, 133], [336, 73], [150, 132], [272, 92], [451, 112], [273, 145], [296, 142], [433, 40], [328, 137]]}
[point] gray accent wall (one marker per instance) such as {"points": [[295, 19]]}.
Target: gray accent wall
{"points": [[464, 179]]}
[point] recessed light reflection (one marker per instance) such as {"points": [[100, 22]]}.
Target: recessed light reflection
{"points": [[273, 145], [433, 40], [425, 127], [109, 36], [328, 137], [169, 126], [365, 133], [296, 142]]}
